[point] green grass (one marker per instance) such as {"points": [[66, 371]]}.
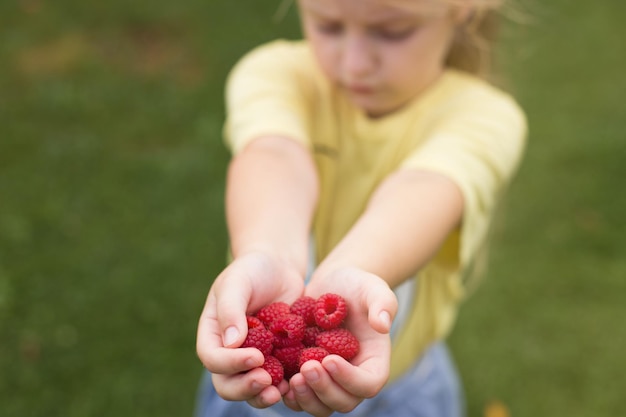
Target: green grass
{"points": [[111, 217], [543, 334]]}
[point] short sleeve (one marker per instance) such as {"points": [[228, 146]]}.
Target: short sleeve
{"points": [[477, 143], [266, 94]]}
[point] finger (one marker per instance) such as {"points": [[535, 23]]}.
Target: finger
{"points": [[381, 304], [211, 351], [270, 395], [301, 397], [243, 386], [289, 398], [283, 387], [363, 381], [210, 347], [324, 390], [266, 398], [230, 361], [210, 330], [231, 303]]}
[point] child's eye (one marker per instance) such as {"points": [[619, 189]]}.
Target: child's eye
{"points": [[329, 28], [394, 35]]}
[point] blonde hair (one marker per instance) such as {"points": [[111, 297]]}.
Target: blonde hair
{"points": [[473, 47]]}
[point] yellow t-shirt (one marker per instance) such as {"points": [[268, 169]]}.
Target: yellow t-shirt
{"points": [[461, 127]]}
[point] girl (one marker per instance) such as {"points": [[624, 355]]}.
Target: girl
{"points": [[376, 136]]}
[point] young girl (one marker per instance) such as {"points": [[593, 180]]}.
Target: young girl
{"points": [[373, 148]]}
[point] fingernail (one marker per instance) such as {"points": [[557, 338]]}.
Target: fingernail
{"points": [[331, 367], [251, 363], [230, 335], [300, 388], [385, 318], [311, 375]]}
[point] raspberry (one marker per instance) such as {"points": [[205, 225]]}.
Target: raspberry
{"points": [[272, 311], [310, 333], [288, 330], [304, 306], [330, 310], [309, 329], [312, 354], [274, 368], [254, 322], [260, 338], [339, 342], [290, 358]]}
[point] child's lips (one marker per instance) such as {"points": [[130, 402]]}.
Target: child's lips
{"points": [[360, 89]]}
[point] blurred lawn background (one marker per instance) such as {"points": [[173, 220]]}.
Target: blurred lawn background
{"points": [[111, 208]]}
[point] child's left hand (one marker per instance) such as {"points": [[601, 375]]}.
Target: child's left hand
{"points": [[336, 384]]}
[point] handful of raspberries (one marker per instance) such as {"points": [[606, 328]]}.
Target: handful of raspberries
{"points": [[308, 329]]}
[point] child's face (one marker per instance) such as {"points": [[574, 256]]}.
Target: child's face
{"points": [[380, 53]]}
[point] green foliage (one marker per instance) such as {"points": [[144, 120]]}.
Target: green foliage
{"points": [[111, 208]]}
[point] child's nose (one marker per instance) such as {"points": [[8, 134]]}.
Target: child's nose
{"points": [[357, 57]]}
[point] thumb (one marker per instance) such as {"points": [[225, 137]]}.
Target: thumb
{"points": [[382, 306], [231, 306]]}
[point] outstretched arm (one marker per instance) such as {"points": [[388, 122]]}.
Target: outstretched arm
{"points": [[407, 220], [270, 199], [272, 190]]}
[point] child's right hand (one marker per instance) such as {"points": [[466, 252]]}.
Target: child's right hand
{"points": [[336, 384], [247, 284]]}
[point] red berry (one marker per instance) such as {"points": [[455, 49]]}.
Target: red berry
{"points": [[309, 329], [310, 334], [254, 322], [339, 342], [290, 358], [312, 354], [274, 368], [272, 311], [260, 338], [304, 306], [330, 311], [288, 330]]}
